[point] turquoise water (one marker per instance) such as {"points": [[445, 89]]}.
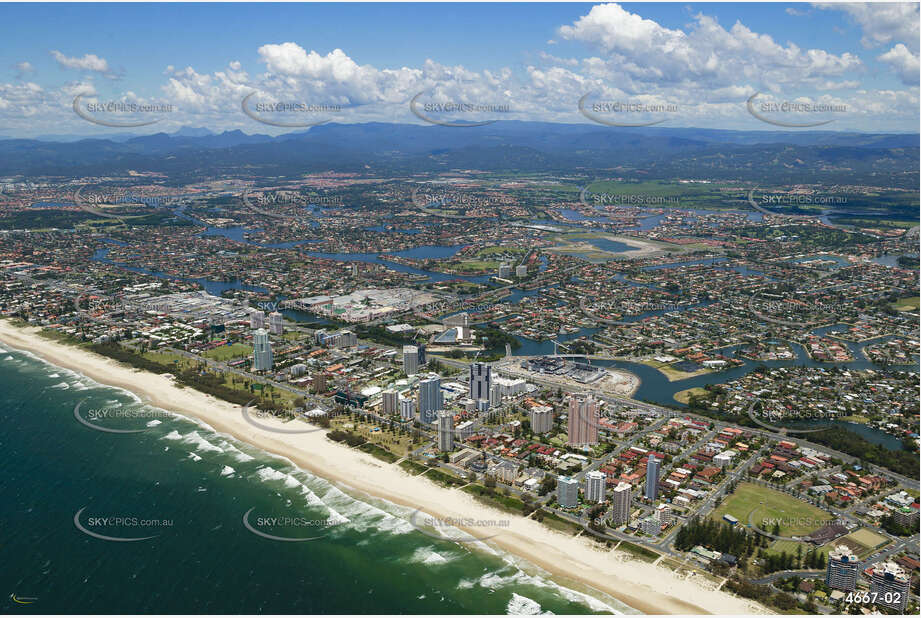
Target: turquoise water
{"points": [[197, 485]]}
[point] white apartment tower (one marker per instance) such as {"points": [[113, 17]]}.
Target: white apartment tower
{"points": [[276, 323], [594, 486], [410, 360], [262, 351]]}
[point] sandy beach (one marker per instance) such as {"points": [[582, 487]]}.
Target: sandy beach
{"points": [[647, 588]]}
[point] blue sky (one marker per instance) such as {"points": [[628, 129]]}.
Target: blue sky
{"points": [[705, 59]]}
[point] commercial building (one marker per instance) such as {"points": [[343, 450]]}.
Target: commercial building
{"points": [[567, 491], [620, 502], [445, 431], [262, 351], [480, 381], [890, 585], [842, 569], [541, 418], [410, 360], [652, 478], [582, 427], [594, 486], [507, 387]]}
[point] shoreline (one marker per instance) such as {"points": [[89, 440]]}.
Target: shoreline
{"points": [[652, 589]]}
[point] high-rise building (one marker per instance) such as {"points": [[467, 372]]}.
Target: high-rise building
{"points": [[620, 503], [583, 420], [276, 323], [407, 409], [541, 418], [256, 319], [347, 339], [480, 381], [262, 351], [594, 486], [663, 514], [410, 360], [505, 270], [495, 395], [391, 401], [650, 525], [567, 491], [652, 477], [296, 371], [843, 567], [521, 271], [319, 383], [445, 431], [421, 354], [430, 398], [889, 586]]}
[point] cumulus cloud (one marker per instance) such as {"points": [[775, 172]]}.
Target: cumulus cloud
{"points": [[706, 54], [904, 63], [703, 69]]}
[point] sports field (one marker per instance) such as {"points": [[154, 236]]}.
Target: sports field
{"points": [[767, 506], [862, 542]]}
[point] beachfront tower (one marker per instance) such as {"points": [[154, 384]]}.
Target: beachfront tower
{"points": [[262, 351], [652, 478], [445, 431]]}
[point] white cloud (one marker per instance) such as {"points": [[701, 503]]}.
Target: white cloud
{"points": [[882, 22], [89, 62], [707, 56], [24, 68], [905, 64]]}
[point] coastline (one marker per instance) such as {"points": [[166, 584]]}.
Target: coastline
{"points": [[642, 586]]}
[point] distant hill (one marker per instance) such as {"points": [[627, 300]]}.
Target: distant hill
{"points": [[652, 152]]}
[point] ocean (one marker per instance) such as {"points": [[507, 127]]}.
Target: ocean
{"points": [[177, 518]]}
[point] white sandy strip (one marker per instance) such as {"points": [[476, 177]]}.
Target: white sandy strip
{"points": [[650, 589]]}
